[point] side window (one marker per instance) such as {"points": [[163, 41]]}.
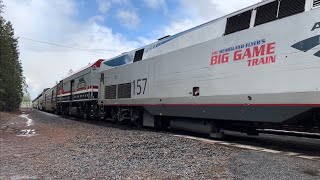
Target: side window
{"points": [[72, 84], [60, 88], [238, 22], [102, 78], [138, 55]]}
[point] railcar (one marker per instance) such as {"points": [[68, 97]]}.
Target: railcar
{"points": [[77, 94], [254, 68], [40, 101], [35, 103], [50, 99]]}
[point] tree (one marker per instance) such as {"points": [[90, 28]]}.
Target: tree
{"points": [[11, 79], [26, 99], [1, 6], [2, 91]]}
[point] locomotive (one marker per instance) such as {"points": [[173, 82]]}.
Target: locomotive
{"points": [[253, 69]]}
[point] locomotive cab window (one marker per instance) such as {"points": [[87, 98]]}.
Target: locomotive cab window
{"points": [[138, 55]]}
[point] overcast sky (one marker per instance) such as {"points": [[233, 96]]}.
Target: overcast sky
{"points": [[101, 28]]}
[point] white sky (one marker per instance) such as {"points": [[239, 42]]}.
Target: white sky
{"points": [[54, 21]]}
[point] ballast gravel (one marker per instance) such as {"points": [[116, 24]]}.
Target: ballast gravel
{"points": [[66, 148]]}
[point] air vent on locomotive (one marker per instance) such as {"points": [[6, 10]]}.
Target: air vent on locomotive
{"points": [[316, 3]]}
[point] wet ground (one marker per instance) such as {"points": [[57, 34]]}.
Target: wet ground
{"points": [[38, 145]]}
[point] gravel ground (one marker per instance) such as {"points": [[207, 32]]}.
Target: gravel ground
{"points": [[254, 165], [51, 147]]}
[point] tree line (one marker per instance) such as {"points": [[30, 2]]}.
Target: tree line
{"points": [[12, 81]]}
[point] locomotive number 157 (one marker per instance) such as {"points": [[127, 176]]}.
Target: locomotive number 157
{"points": [[139, 86]]}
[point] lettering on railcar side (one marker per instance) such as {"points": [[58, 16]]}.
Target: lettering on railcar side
{"points": [[316, 26], [139, 86], [255, 53]]}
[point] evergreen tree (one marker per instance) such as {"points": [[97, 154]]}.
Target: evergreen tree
{"points": [[11, 79], [1, 6], [2, 91], [26, 99]]}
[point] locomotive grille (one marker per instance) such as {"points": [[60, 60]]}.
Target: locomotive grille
{"points": [[291, 7], [124, 91], [238, 22], [267, 13], [316, 3], [111, 92]]}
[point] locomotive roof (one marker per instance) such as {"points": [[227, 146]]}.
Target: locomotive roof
{"points": [[165, 38], [95, 64]]}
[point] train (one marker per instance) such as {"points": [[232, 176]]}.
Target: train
{"points": [[253, 69]]}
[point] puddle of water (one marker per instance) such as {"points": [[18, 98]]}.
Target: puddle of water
{"points": [[29, 121], [27, 133]]}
